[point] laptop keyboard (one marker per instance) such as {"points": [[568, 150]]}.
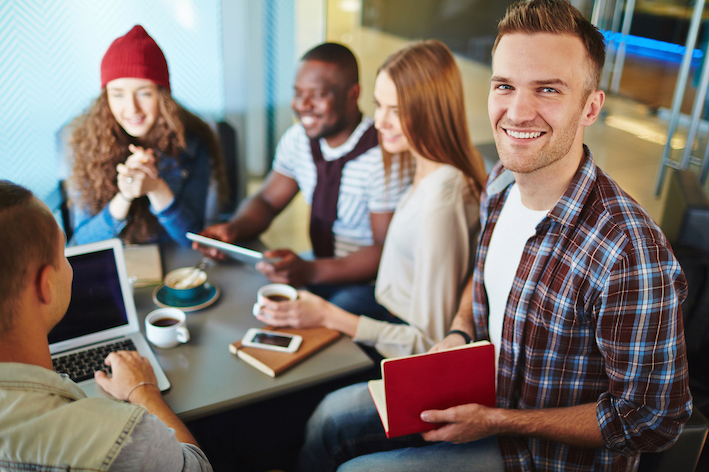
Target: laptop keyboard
{"points": [[82, 365]]}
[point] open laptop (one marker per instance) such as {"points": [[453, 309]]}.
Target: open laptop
{"points": [[101, 315]]}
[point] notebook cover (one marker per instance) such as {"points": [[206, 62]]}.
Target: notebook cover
{"points": [[435, 381], [274, 363], [144, 264]]}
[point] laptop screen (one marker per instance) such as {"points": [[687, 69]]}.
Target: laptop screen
{"points": [[96, 299]]}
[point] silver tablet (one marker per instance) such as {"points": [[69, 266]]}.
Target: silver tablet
{"points": [[242, 254]]}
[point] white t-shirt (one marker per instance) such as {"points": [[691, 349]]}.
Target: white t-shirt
{"points": [[363, 189], [514, 227]]}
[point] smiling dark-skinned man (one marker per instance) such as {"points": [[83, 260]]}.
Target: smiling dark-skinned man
{"points": [[332, 155]]}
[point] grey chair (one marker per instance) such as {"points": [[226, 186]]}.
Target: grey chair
{"points": [[685, 218], [684, 454], [235, 174], [488, 151], [685, 222]]}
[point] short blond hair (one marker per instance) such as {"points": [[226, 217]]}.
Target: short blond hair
{"points": [[557, 17], [29, 237]]}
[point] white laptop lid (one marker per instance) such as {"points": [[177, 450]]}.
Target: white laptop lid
{"points": [[102, 305]]}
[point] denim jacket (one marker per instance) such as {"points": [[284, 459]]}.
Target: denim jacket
{"points": [[47, 423], [187, 176]]}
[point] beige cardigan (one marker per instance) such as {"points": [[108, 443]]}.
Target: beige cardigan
{"points": [[427, 257]]}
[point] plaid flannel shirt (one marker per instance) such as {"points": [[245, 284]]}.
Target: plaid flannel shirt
{"points": [[593, 316]]}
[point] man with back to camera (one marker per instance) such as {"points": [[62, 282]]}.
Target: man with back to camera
{"points": [[331, 155], [46, 421], [574, 284]]}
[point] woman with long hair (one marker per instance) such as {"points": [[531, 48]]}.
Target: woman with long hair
{"points": [[429, 247], [141, 164]]}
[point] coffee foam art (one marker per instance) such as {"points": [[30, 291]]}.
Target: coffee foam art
{"points": [[182, 279]]}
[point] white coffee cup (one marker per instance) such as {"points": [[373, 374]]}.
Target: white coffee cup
{"points": [[165, 327], [274, 292]]}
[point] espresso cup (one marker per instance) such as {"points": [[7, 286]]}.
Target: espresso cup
{"points": [[165, 327], [186, 283], [274, 292]]}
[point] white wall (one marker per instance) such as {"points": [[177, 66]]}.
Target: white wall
{"points": [[262, 41], [51, 52], [215, 51]]}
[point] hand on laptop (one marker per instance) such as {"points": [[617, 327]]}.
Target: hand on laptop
{"points": [[129, 370], [133, 377]]}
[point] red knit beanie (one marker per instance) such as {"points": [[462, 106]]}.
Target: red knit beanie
{"points": [[135, 55]]}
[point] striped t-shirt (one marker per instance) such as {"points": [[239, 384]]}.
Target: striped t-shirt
{"points": [[363, 189]]}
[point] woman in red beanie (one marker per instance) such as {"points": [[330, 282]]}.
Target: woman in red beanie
{"points": [[141, 163]]}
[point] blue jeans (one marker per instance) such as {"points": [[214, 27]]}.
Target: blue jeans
{"points": [[345, 431], [357, 299]]}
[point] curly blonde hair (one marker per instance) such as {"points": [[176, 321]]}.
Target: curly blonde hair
{"points": [[98, 144]]}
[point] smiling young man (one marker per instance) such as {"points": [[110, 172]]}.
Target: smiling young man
{"points": [[574, 284], [332, 156]]}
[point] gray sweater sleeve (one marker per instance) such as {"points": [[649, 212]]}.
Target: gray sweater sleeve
{"points": [[153, 447]]}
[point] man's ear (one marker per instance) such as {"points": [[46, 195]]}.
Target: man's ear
{"points": [[43, 284], [592, 110], [353, 92]]}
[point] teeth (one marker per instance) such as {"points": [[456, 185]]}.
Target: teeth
{"points": [[307, 120], [518, 135]]}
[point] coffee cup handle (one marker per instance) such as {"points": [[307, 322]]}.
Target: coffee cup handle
{"points": [[183, 335], [257, 309]]}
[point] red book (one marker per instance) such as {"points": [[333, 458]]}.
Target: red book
{"points": [[432, 381]]}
